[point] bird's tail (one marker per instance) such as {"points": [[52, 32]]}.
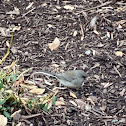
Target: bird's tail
{"points": [[45, 73]]}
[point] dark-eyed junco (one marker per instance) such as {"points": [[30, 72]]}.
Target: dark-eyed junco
{"points": [[71, 79]]}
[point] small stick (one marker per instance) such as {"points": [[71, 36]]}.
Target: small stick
{"points": [[117, 71]]}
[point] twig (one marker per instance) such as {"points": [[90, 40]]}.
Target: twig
{"points": [[104, 4], [82, 31], [28, 12], [30, 116], [8, 51], [117, 71]]}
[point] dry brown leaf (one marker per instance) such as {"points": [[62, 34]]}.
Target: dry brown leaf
{"points": [[55, 44], [37, 91], [21, 79], [73, 95], [59, 103], [28, 86], [3, 120]]}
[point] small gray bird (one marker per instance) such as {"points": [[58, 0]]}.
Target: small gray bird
{"points": [[71, 79]]}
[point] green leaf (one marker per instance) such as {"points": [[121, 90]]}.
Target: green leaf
{"points": [[54, 100], [45, 107], [2, 109], [49, 105], [2, 101], [1, 83], [7, 114]]}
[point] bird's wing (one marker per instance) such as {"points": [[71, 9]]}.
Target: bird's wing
{"points": [[64, 76]]}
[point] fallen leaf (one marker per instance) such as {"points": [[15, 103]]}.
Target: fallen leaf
{"points": [[28, 86], [55, 44], [37, 91], [108, 34], [73, 95], [100, 45], [19, 111], [73, 102], [80, 103], [93, 21], [5, 32], [90, 99], [119, 53], [3, 120], [59, 103], [75, 33], [55, 65], [69, 7], [15, 11], [21, 79]]}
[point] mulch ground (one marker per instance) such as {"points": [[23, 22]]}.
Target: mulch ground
{"points": [[100, 53]]}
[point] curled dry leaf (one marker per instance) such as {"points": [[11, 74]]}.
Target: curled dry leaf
{"points": [[73, 95], [37, 91], [3, 120], [55, 44]]}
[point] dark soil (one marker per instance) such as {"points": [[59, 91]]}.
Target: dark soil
{"points": [[106, 82]]}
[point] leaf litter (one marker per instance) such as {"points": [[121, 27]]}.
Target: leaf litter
{"points": [[109, 108]]}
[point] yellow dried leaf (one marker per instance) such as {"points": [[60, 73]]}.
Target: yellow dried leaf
{"points": [[37, 91], [55, 44], [90, 99], [73, 95], [119, 53]]}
